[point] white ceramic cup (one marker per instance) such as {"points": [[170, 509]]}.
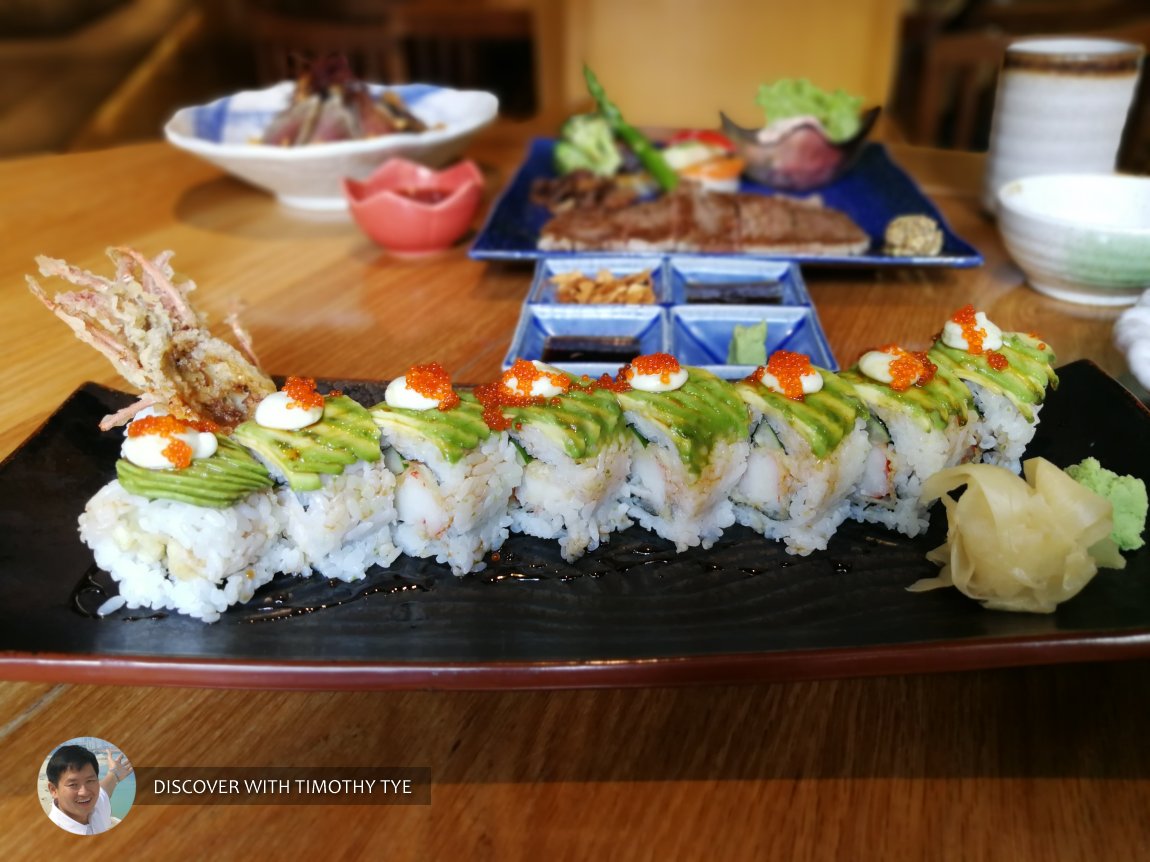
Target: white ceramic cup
{"points": [[1061, 106]]}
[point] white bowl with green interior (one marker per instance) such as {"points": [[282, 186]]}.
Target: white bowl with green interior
{"points": [[1081, 238]]}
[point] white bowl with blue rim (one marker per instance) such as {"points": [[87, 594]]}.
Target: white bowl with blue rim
{"points": [[227, 132]]}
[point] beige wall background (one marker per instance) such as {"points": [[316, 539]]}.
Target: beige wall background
{"points": [[679, 62]]}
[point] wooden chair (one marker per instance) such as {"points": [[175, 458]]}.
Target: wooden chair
{"points": [[959, 71], [442, 40], [372, 50], [432, 41], [955, 73]]}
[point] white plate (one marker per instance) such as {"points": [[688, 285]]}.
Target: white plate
{"points": [[226, 133]]}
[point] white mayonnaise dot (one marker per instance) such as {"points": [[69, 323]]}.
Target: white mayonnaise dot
{"points": [[655, 383], [275, 412], [147, 450], [991, 335], [541, 387], [811, 382], [875, 364], [399, 394]]}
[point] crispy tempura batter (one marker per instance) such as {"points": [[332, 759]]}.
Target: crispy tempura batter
{"points": [[144, 324]]}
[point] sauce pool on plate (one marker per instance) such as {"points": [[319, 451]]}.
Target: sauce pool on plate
{"points": [[424, 196]]}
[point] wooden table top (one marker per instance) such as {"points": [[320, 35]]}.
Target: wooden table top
{"points": [[1033, 763]]}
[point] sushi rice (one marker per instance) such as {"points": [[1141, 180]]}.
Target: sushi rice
{"points": [[340, 530], [797, 484], [194, 560], [574, 468], [688, 453], [453, 511]]}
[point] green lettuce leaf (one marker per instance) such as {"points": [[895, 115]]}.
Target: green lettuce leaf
{"points": [[795, 97]]}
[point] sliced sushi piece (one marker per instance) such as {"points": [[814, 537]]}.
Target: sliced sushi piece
{"points": [[923, 420], [575, 452], [454, 475], [689, 448], [1007, 372], [336, 500], [809, 447], [188, 524]]}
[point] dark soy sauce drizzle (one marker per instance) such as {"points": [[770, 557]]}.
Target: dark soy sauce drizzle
{"points": [[753, 292], [590, 348]]}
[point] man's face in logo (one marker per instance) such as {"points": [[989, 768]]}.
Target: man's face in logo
{"points": [[77, 792]]}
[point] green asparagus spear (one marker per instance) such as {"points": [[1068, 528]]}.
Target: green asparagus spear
{"points": [[649, 156]]}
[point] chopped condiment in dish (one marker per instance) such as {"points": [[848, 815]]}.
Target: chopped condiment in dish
{"points": [[604, 288]]}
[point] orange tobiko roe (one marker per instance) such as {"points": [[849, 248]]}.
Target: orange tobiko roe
{"points": [[432, 381], [663, 364], [908, 369], [971, 331], [996, 360], [501, 393], [301, 392], [788, 368], [169, 427]]}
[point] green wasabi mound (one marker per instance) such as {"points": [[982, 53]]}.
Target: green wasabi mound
{"points": [[1126, 494], [748, 344]]}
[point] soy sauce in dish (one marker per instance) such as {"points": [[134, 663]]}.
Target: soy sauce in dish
{"points": [[741, 292], [590, 348]]}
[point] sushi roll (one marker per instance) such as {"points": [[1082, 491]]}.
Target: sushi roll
{"points": [[188, 524], [1007, 373], [336, 496], [575, 452], [922, 421], [454, 475], [689, 448], [809, 447]]}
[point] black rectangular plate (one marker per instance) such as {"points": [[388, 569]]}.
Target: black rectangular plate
{"points": [[631, 613]]}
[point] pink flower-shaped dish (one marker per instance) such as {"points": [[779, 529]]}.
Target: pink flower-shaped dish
{"points": [[413, 210]]}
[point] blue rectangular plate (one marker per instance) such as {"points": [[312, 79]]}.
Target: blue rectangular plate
{"points": [[872, 193], [696, 333]]}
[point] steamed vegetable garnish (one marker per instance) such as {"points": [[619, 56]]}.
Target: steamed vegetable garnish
{"points": [[1018, 544], [838, 112], [1126, 494], [587, 142], [649, 156]]}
